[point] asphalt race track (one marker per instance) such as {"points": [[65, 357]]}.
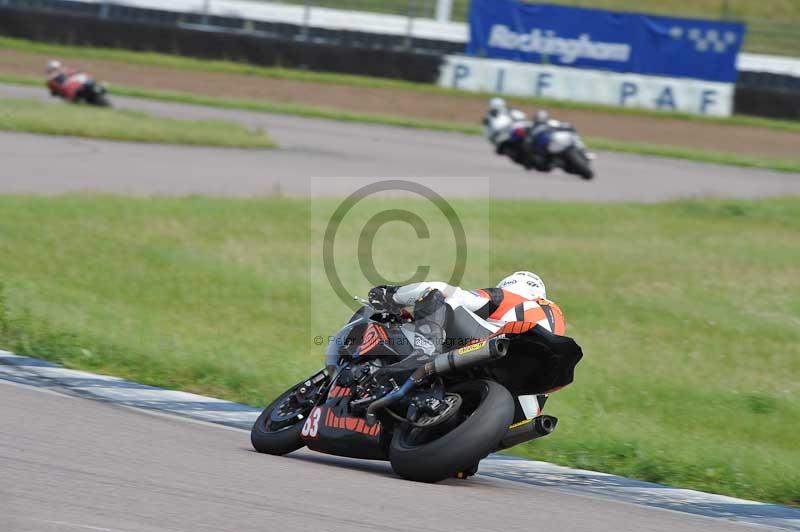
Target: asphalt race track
{"points": [[328, 149], [70, 463]]}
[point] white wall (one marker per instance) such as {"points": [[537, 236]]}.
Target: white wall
{"points": [[589, 86]]}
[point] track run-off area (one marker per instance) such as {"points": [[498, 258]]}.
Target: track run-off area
{"points": [[315, 149]]}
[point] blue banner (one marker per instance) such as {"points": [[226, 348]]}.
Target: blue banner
{"points": [[605, 40]]}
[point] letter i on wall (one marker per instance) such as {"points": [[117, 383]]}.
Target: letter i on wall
{"points": [[500, 81]]}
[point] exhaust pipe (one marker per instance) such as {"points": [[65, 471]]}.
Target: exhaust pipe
{"points": [[527, 430], [466, 357]]}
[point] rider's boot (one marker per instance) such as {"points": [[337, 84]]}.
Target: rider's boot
{"points": [[430, 317]]}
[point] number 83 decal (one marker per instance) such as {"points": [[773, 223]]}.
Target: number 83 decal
{"points": [[311, 426]]}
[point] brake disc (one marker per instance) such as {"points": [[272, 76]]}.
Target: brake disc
{"points": [[453, 405]]}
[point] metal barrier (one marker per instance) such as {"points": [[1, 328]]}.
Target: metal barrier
{"points": [[54, 25], [406, 8]]}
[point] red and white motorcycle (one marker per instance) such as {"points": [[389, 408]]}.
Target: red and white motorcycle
{"points": [[76, 86]]}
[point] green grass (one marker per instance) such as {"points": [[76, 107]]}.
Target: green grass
{"points": [[31, 116], [229, 67], [688, 313], [676, 152]]}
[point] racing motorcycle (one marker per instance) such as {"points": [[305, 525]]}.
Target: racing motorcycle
{"points": [[558, 143], [438, 420], [81, 87]]}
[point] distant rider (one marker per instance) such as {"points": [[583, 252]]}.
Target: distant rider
{"points": [[506, 129], [58, 80], [537, 140]]}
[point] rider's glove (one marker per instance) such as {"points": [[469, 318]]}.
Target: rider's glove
{"points": [[382, 297]]}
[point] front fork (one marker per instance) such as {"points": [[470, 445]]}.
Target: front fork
{"points": [[314, 389]]}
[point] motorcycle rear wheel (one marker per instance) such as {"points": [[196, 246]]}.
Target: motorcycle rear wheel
{"points": [[487, 411], [269, 439], [101, 101]]}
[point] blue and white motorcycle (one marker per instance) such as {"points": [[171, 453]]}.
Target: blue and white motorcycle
{"points": [[540, 145]]}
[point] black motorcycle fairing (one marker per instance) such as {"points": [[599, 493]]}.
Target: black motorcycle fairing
{"points": [[537, 362], [345, 343], [342, 434]]}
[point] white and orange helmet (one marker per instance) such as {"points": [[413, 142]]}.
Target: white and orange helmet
{"points": [[525, 284]]}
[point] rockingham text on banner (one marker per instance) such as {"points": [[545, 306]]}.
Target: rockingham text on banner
{"points": [[604, 40]]}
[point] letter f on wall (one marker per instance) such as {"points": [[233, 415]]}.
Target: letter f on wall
{"points": [[543, 81]]}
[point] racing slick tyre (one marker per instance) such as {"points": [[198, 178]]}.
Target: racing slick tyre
{"points": [[270, 437], [428, 455], [93, 94], [578, 163]]}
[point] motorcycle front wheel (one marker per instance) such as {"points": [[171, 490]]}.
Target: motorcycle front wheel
{"points": [[282, 436], [577, 163], [487, 409]]}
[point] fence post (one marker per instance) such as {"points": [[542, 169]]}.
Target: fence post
{"points": [[306, 18], [410, 26], [206, 7], [444, 10], [104, 9]]}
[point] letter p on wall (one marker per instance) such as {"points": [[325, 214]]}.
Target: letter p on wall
{"points": [[627, 89], [460, 71]]}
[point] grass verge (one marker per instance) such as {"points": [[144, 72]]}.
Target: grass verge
{"points": [[31, 116], [676, 152], [689, 315], [229, 67]]}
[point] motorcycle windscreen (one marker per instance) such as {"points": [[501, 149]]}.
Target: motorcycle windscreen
{"points": [[537, 362], [344, 338]]}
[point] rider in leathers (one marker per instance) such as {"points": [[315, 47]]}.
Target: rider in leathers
{"points": [[505, 129], [519, 297], [536, 142], [57, 77]]}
